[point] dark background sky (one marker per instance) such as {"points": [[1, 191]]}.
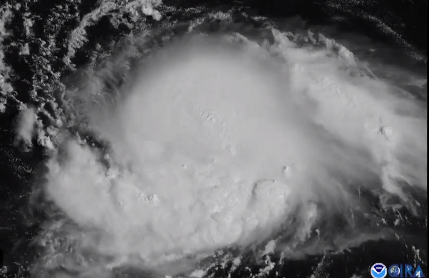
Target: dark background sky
{"points": [[407, 18]]}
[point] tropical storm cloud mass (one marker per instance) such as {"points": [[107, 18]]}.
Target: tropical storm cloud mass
{"points": [[229, 140], [212, 139]]}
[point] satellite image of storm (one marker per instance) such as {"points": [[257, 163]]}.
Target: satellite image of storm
{"points": [[213, 138]]}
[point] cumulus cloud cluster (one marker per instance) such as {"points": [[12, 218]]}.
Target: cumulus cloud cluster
{"points": [[217, 144], [25, 127]]}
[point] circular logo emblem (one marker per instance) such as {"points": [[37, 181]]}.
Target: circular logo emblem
{"points": [[394, 270], [378, 270]]}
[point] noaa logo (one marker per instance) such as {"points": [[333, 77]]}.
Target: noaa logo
{"points": [[378, 270]]}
